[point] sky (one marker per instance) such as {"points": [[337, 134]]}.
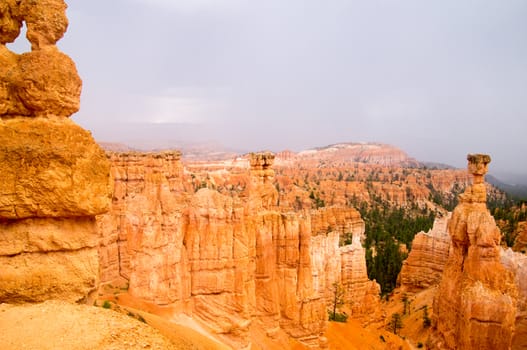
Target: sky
{"points": [[439, 79]]}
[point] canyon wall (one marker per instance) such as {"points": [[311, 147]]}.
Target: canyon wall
{"points": [[55, 178], [233, 259], [476, 305], [426, 261]]}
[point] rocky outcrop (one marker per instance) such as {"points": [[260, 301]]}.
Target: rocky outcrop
{"points": [[43, 82], [51, 168], [232, 259], [55, 178], [362, 294], [477, 300], [426, 261], [142, 236]]}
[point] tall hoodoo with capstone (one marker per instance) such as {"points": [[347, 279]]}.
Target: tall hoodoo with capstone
{"points": [[55, 178], [475, 306]]}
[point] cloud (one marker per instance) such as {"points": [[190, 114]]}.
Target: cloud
{"points": [[182, 105]]}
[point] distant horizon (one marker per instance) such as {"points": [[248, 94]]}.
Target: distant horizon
{"points": [[135, 137]]}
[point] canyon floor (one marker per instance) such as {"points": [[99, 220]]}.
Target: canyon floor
{"points": [[351, 335], [62, 325]]}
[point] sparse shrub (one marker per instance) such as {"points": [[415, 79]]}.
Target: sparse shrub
{"points": [[427, 322], [406, 303], [396, 323], [106, 304], [419, 345], [338, 301], [337, 316]]}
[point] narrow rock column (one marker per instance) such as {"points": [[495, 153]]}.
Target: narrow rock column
{"points": [[475, 306]]}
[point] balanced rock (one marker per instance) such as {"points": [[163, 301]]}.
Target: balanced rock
{"points": [[46, 21], [43, 82]]}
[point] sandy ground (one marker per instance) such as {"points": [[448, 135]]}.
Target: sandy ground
{"points": [[352, 336], [60, 325]]}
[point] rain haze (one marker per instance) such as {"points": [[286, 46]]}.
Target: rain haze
{"points": [[438, 79]]}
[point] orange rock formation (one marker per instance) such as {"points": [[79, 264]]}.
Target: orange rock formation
{"points": [[476, 303], [233, 259], [426, 261], [55, 178]]}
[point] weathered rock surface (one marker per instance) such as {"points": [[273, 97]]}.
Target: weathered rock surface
{"points": [[34, 277], [48, 83], [43, 82], [10, 22], [426, 261], [51, 168], [55, 178], [362, 293], [46, 21], [477, 299], [232, 259], [142, 236]]}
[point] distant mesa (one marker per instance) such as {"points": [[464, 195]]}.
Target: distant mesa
{"points": [[372, 153]]}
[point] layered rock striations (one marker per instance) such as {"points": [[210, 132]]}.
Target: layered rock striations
{"points": [[362, 294], [426, 261], [55, 178], [142, 236], [476, 303], [232, 259]]}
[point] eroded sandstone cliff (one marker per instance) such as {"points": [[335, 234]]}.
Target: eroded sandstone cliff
{"points": [[232, 258], [426, 261]]}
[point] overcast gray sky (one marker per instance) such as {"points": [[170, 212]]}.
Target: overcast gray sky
{"points": [[439, 79]]}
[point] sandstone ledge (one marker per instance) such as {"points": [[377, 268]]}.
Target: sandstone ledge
{"points": [[51, 168]]}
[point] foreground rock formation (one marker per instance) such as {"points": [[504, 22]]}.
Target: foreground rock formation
{"points": [[477, 300], [232, 259], [426, 261], [55, 178]]}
